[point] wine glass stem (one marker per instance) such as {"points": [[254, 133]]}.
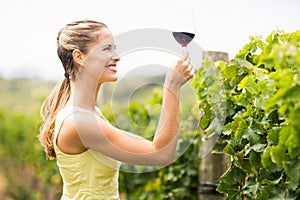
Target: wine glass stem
{"points": [[184, 52]]}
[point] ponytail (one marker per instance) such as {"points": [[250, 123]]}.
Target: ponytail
{"points": [[50, 107]]}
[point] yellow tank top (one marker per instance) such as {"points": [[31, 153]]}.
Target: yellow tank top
{"points": [[89, 175]]}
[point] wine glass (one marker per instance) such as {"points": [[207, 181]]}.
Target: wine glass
{"points": [[184, 29]]}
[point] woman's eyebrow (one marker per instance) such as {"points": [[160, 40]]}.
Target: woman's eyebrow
{"points": [[108, 45]]}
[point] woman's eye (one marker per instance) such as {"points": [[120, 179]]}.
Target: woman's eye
{"points": [[109, 48]]}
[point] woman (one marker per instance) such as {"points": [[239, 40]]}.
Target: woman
{"points": [[87, 147]]}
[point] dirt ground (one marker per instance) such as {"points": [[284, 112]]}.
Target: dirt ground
{"points": [[3, 196]]}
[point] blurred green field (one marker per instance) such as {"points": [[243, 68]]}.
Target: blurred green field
{"points": [[23, 94], [27, 94]]}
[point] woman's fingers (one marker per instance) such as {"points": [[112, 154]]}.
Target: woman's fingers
{"points": [[183, 71], [188, 67]]}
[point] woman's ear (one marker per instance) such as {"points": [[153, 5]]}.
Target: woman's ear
{"points": [[78, 57]]}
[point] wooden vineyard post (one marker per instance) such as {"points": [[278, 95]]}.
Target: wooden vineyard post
{"points": [[212, 166]]}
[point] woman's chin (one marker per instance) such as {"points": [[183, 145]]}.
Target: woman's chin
{"points": [[111, 79]]}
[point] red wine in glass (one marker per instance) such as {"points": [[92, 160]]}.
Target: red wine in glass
{"points": [[183, 38]]}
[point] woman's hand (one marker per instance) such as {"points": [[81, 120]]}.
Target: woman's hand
{"points": [[180, 73]]}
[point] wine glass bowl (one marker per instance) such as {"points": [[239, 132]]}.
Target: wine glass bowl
{"points": [[183, 38], [184, 27]]}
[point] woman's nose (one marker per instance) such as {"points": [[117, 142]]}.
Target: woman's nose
{"points": [[116, 57]]}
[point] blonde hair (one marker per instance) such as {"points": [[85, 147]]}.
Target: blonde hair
{"points": [[77, 35]]}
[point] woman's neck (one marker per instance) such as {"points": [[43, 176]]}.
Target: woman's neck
{"points": [[84, 94]]}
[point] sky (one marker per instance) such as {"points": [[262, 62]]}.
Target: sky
{"points": [[29, 28]]}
